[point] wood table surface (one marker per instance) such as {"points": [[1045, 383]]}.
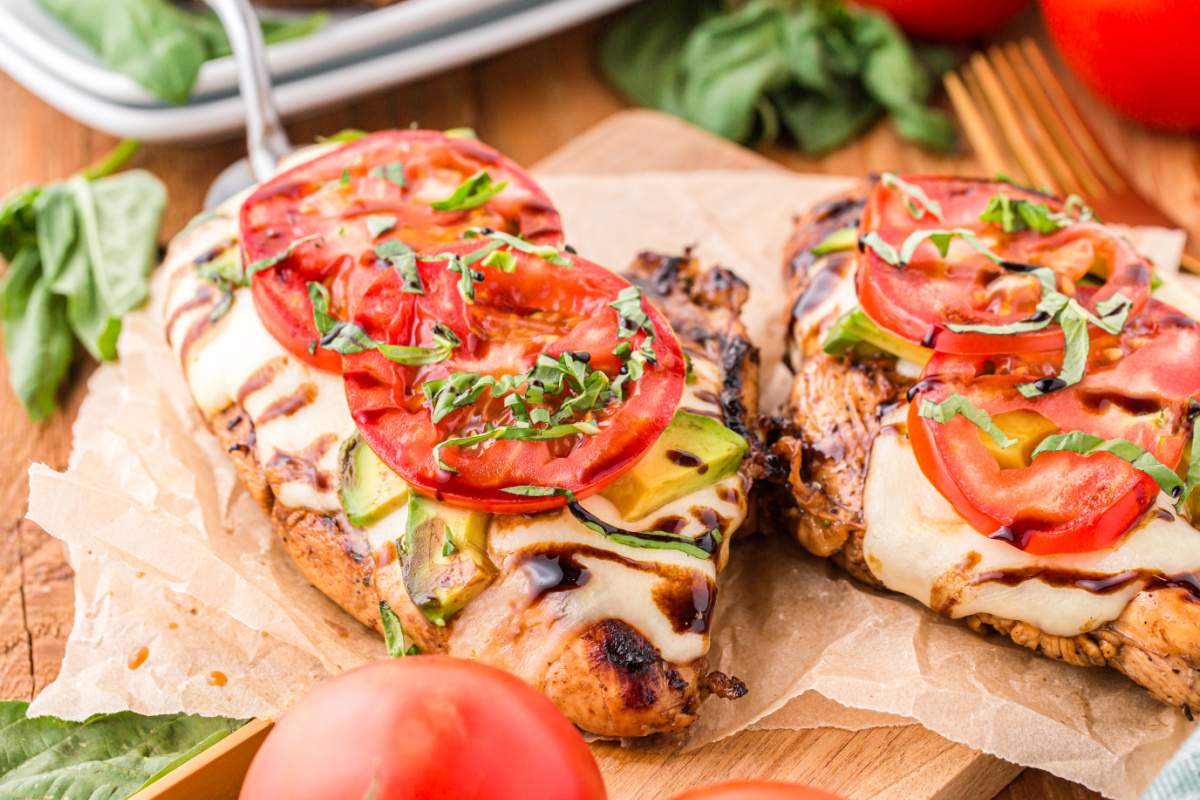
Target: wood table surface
{"points": [[527, 103]]}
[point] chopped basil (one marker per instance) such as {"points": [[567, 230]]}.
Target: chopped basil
{"points": [[1013, 214], [544, 251], [1086, 443], [651, 539], [392, 172], [918, 203], [271, 261], [631, 317], [1076, 345], [957, 405], [402, 259], [393, 633], [507, 432], [941, 240], [349, 338], [378, 224], [882, 249], [501, 260], [471, 193]]}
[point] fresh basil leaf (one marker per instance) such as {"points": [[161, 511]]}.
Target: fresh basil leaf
{"points": [[403, 259], [1086, 444], [37, 335], [529, 490], [631, 316], [1193, 470], [510, 432], [270, 261], [728, 63], [500, 260], [1052, 302], [640, 54], [63, 261], [941, 240], [378, 224], [471, 193], [546, 252], [160, 45], [930, 128], [918, 203], [882, 249], [349, 338], [105, 756], [1014, 214], [821, 123], [392, 172], [958, 406], [118, 218], [1076, 345], [343, 136], [18, 221]]}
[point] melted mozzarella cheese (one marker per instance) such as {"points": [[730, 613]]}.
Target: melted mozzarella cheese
{"points": [[917, 544], [236, 360]]}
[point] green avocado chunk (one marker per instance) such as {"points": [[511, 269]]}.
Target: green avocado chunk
{"points": [[444, 557], [369, 489], [855, 328], [693, 452]]}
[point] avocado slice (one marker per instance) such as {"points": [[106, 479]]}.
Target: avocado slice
{"points": [[693, 452], [369, 489], [855, 328], [444, 557]]}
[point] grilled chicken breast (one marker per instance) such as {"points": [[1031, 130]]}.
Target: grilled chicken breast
{"points": [[842, 415], [615, 635]]}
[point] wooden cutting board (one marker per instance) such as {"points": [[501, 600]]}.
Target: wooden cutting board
{"points": [[906, 762], [896, 763]]}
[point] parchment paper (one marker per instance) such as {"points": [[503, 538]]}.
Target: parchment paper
{"points": [[172, 555]]}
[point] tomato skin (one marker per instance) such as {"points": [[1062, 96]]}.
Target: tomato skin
{"points": [[1139, 57], [499, 336], [948, 20], [424, 728], [756, 790], [918, 301], [331, 196]]}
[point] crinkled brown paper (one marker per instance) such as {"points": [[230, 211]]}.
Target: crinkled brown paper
{"points": [[171, 554]]}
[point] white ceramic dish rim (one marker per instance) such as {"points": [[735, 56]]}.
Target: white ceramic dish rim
{"points": [[225, 116], [349, 36]]}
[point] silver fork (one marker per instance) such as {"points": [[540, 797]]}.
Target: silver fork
{"points": [[266, 140]]}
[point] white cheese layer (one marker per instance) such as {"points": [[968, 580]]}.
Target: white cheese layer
{"points": [[917, 544]]}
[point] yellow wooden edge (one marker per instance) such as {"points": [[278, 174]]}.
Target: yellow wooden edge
{"points": [[215, 774]]}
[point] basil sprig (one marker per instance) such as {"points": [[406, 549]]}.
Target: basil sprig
{"points": [[349, 338], [471, 193], [701, 547], [1086, 443], [1013, 214], [546, 252], [520, 431], [958, 406], [918, 203]]}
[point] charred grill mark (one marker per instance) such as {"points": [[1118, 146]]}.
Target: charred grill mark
{"points": [[634, 660], [286, 406], [288, 467], [813, 227], [735, 354], [259, 379], [203, 295]]}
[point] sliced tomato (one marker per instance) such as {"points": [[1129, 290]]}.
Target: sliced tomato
{"points": [[537, 308], [1138, 387], [391, 175], [917, 302]]}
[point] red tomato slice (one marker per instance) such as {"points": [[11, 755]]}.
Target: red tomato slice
{"points": [[537, 308], [424, 728], [391, 174], [1137, 387], [916, 302]]}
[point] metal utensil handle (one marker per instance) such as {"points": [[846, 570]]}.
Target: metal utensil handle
{"points": [[266, 141]]}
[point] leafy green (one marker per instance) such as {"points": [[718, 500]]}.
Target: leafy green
{"points": [[379, 224], [841, 239], [349, 338], [823, 70], [79, 254], [393, 632], [158, 44], [1086, 443], [918, 203], [392, 172], [1192, 479], [958, 406], [105, 756], [471, 193]]}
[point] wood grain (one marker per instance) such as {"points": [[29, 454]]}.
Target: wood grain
{"points": [[527, 102]]}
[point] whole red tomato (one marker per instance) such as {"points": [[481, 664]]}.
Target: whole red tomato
{"points": [[948, 20], [1137, 55], [424, 728], [756, 790]]}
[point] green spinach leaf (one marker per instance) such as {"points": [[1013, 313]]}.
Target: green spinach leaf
{"points": [[37, 338]]}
